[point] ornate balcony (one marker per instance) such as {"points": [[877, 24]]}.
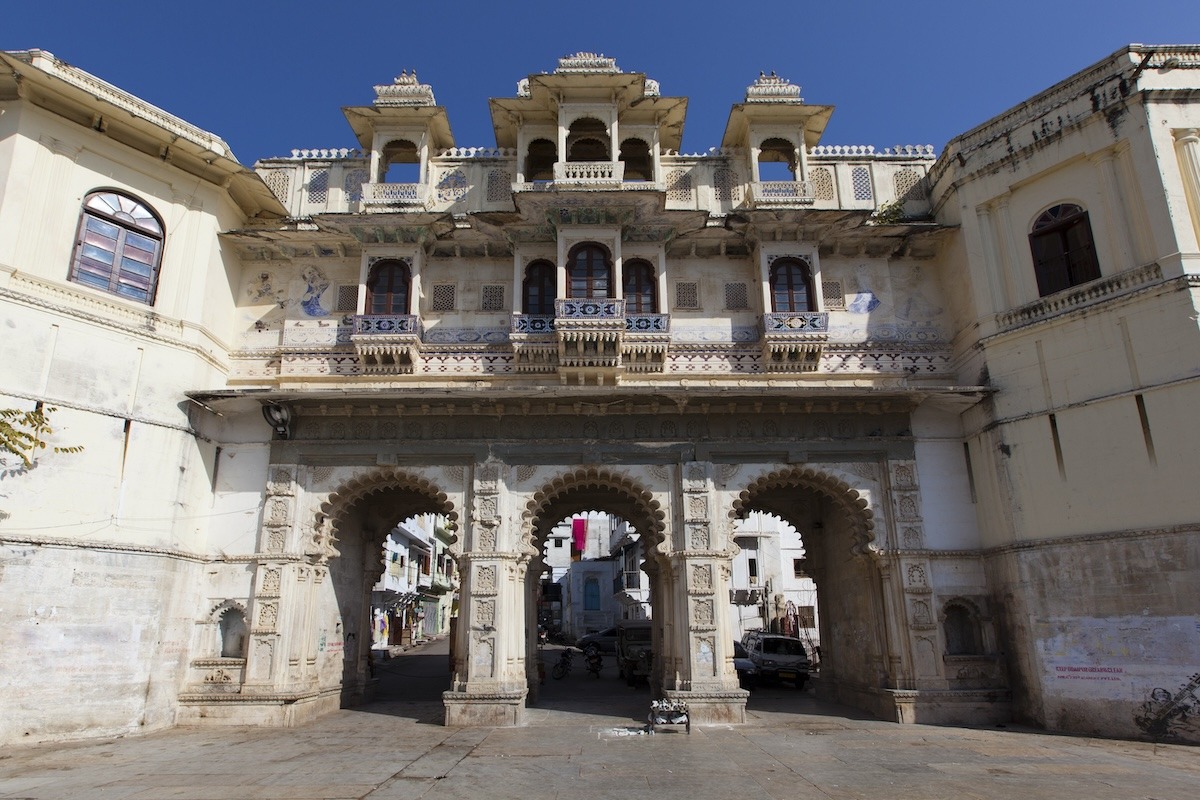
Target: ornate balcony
{"points": [[589, 334], [387, 344], [793, 340], [533, 342], [389, 196], [784, 194], [647, 338], [590, 339], [589, 174]]}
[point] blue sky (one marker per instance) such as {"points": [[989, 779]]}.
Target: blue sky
{"points": [[269, 76]]}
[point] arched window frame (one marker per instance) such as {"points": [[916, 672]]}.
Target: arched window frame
{"points": [[639, 287], [538, 288], [118, 246], [589, 272], [1063, 248], [540, 156], [791, 285], [389, 285], [636, 155]]}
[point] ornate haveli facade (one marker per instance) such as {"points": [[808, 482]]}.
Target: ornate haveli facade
{"points": [[965, 378]]}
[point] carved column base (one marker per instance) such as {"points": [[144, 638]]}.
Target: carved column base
{"points": [[484, 709], [713, 708], [925, 706]]}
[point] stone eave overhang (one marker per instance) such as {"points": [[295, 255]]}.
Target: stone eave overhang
{"points": [[812, 118], [840, 231], [73, 94], [687, 396], [1125, 68], [626, 89], [365, 120]]}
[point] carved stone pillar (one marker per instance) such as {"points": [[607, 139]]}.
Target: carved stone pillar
{"points": [[704, 676], [1187, 150], [1118, 228], [489, 686], [269, 648]]}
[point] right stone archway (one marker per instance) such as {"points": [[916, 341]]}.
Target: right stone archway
{"points": [[881, 643]]}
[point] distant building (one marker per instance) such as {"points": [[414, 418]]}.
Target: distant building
{"points": [[966, 379]]}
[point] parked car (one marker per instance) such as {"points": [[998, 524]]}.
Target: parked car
{"points": [[604, 641], [777, 657], [747, 671], [635, 654]]}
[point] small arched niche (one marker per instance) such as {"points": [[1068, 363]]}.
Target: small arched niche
{"points": [[232, 633]]}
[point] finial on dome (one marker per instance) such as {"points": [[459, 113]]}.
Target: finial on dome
{"points": [[772, 89]]}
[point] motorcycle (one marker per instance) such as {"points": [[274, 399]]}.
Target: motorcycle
{"points": [[563, 667], [593, 662]]}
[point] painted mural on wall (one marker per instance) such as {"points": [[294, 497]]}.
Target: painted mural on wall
{"points": [[886, 305], [1143, 661], [284, 295], [1168, 714]]}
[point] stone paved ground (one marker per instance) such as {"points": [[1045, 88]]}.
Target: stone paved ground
{"points": [[584, 741]]}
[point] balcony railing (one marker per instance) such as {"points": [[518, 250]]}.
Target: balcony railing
{"points": [[394, 194], [782, 193], [532, 323], [648, 323], [799, 322], [589, 309], [593, 173], [387, 324]]}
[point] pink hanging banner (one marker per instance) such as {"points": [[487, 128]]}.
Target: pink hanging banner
{"points": [[579, 534]]}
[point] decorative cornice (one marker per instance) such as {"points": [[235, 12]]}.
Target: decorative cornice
{"points": [[587, 63], [104, 547], [102, 90], [404, 91], [773, 89]]}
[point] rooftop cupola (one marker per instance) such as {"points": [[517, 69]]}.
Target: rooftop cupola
{"points": [[775, 128], [588, 124], [402, 129]]}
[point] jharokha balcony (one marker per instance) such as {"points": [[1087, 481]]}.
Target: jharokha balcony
{"points": [[794, 340], [590, 341], [387, 344]]}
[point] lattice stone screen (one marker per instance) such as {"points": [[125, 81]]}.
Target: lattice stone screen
{"points": [[443, 297], [279, 181], [347, 299], [499, 186], [832, 296], [492, 298], [737, 296], [906, 182], [821, 179], [318, 186], [679, 186], [687, 294], [860, 178]]}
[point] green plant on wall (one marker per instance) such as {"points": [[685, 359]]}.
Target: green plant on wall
{"points": [[23, 433], [889, 213]]}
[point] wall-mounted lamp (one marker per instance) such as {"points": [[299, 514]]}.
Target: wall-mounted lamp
{"points": [[279, 417]]}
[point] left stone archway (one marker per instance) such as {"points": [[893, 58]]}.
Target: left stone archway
{"points": [[319, 553], [348, 538]]}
